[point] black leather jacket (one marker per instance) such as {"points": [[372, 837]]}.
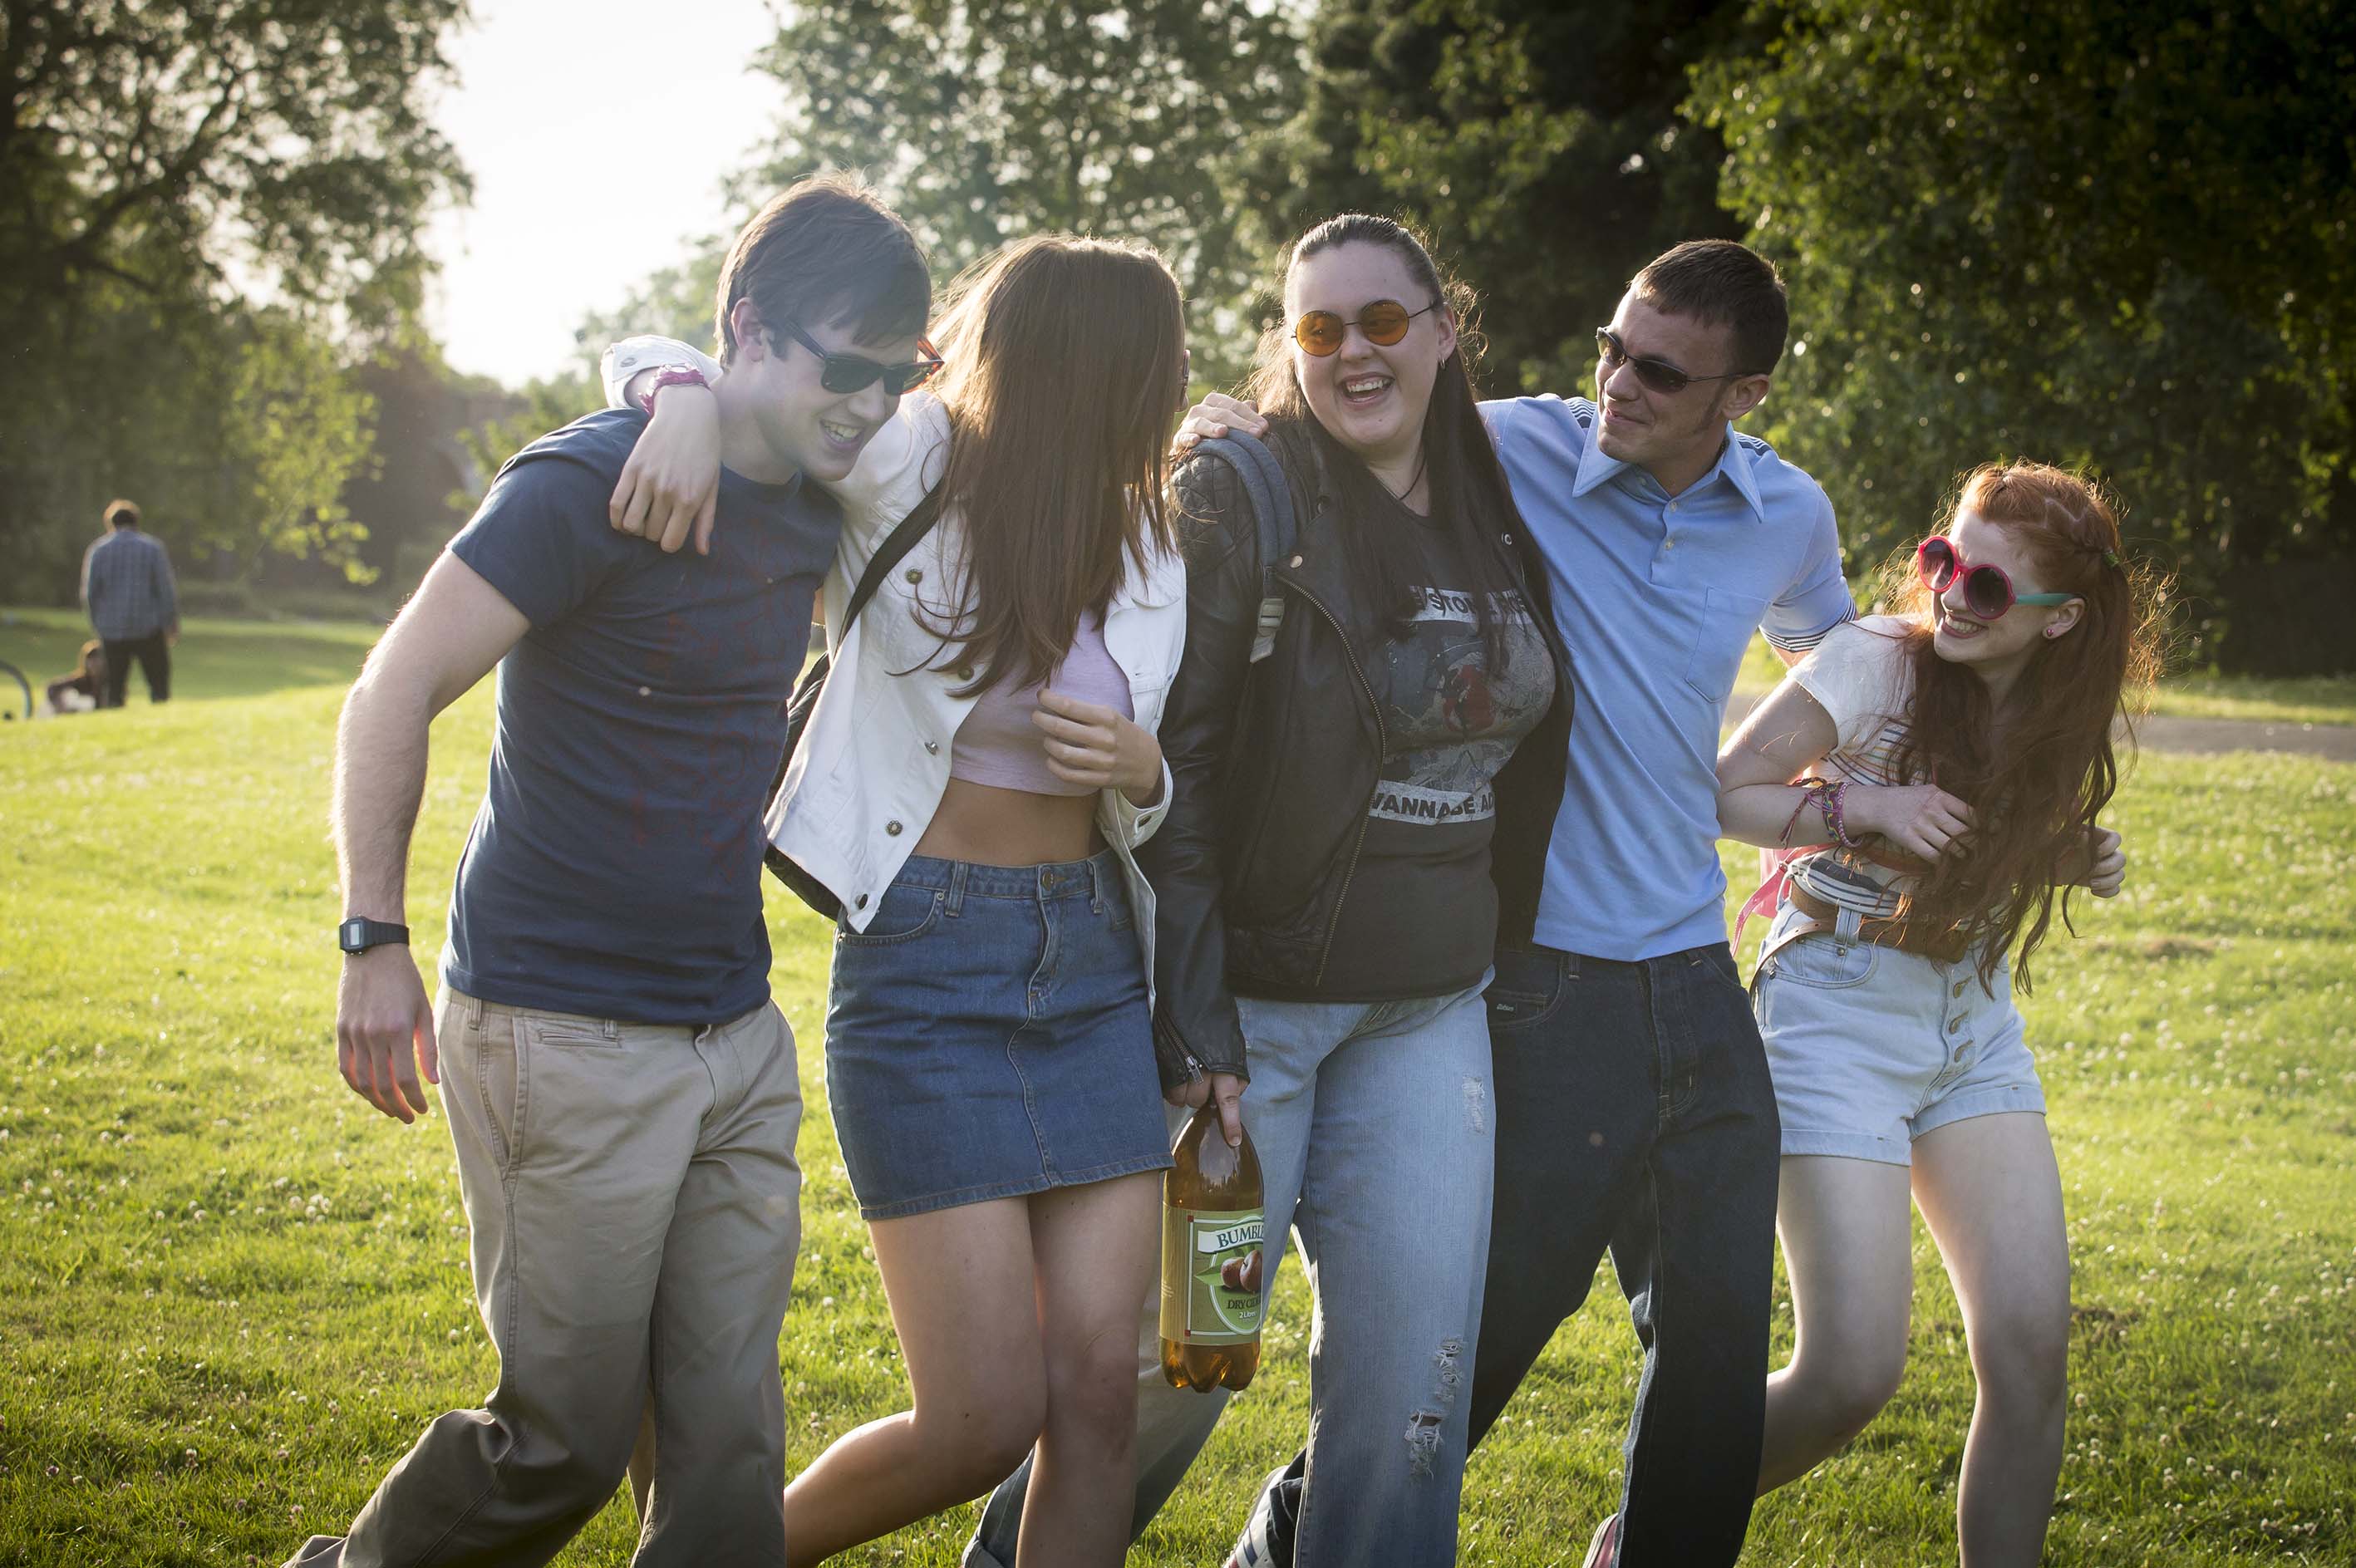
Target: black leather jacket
{"points": [[1274, 764]]}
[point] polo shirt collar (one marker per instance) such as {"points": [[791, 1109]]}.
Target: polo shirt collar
{"points": [[1736, 465], [1598, 467], [1595, 467]]}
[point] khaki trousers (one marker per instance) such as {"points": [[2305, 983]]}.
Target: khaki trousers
{"points": [[635, 1211]]}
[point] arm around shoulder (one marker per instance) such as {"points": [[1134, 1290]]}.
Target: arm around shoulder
{"points": [[627, 367]]}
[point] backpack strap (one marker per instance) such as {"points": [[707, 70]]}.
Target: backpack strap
{"points": [[1262, 477], [889, 554]]}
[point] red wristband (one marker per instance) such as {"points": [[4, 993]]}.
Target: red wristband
{"points": [[671, 376]]}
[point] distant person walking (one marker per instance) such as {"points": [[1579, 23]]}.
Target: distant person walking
{"points": [[126, 586]]}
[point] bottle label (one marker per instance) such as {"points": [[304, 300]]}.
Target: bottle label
{"points": [[1212, 1271]]}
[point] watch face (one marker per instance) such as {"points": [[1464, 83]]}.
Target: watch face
{"points": [[359, 934]]}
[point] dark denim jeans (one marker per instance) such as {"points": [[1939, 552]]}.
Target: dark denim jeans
{"points": [[1634, 1111]]}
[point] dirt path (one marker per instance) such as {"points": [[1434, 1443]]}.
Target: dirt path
{"points": [[2332, 742]]}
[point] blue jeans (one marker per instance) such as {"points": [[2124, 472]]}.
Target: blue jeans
{"points": [[1634, 1111], [1372, 1121]]}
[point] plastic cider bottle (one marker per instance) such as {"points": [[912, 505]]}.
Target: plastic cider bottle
{"points": [[1214, 1222]]}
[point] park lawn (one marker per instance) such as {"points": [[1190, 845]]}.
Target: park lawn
{"points": [[232, 1294], [2304, 699], [215, 656]]}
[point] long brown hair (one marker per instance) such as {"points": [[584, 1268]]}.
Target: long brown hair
{"points": [[1467, 483], [1065, 367], [2034, 800]]}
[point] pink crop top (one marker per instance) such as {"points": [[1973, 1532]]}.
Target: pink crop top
{"points": [[999, 746]]}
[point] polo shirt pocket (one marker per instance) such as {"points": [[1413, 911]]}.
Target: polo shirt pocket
{"points": [[1729, 620]]}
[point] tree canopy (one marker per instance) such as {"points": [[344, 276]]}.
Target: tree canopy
{"points": [[1539, 146], [2099, 234], [205, 208], [2103, 234], [987, 119]]}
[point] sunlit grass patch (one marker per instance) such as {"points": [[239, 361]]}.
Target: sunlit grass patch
{"points": [[231, 1291]]}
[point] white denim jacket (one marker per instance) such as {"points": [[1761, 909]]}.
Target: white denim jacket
{"points": [[874, 761]]}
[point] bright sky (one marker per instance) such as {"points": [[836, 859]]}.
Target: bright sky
{"points": [[598, 133]]}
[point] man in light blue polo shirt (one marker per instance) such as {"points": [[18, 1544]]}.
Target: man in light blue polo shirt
{"points": [[1633, 1102], [1634, 1106]]}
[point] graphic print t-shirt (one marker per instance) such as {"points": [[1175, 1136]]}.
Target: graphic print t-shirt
{"points": [[1421, 916]]}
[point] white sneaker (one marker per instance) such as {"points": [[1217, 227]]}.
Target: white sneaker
{"points": [[1266, 1539], [1604, 1551]]}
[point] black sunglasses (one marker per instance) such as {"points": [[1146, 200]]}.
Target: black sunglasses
{"points": [[1658, 375], [856, 372]]}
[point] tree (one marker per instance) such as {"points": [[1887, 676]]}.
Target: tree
{"points": [[676, 301], [1540, 145], [987, 119], [2089, 232], [162, 166]]}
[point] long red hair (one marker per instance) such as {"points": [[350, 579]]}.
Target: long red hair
{"points": [[2036, 793]]}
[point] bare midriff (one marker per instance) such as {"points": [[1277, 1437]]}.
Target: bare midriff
{"points": [[993, 826]]}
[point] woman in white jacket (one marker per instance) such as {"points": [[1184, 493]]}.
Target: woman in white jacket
{"points": [[971, 786]]}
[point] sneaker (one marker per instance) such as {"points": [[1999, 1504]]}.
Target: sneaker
{"points": [[1266, 1539], [1604, 1551]]}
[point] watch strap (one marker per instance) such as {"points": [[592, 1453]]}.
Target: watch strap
{"points": [[358, 934]]}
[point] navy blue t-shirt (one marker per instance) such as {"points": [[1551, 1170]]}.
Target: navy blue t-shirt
{"points": [[614, 866]]}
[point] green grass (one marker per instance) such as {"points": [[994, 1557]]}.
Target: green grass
{"points": [[214, 658], [231, 1294], [2311, 699]]}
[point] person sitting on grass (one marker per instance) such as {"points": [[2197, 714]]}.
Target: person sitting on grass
{"points": [[622, 1091], [1941, 772], [85, 689]]}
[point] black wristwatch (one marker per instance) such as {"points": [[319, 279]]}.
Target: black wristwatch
{"points": [[359, 934]]}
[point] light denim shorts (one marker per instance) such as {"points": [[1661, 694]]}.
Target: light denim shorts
{"points": [[987, 1037], [1871, 1048]]}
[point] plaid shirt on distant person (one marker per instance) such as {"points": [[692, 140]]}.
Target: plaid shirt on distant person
{"points": [[126, 582]]}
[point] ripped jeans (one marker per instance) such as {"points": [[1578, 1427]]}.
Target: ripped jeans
{"points": [[1373, 1122]]}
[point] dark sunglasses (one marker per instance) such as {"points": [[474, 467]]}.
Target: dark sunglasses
{"points": [[1988, 592], [1320, 332], [1658, 375], [856, 372]]}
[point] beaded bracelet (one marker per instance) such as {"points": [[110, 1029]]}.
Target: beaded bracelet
{"points": [[1829, 803]]}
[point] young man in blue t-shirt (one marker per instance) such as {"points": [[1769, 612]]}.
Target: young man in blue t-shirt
{"points": [[621, 1092], [1634, 1106]]}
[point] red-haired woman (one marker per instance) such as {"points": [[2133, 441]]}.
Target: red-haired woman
{"points": [[1951, 761]]}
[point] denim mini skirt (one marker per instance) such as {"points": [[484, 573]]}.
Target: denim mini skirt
{"points": [[987, 1036]]}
